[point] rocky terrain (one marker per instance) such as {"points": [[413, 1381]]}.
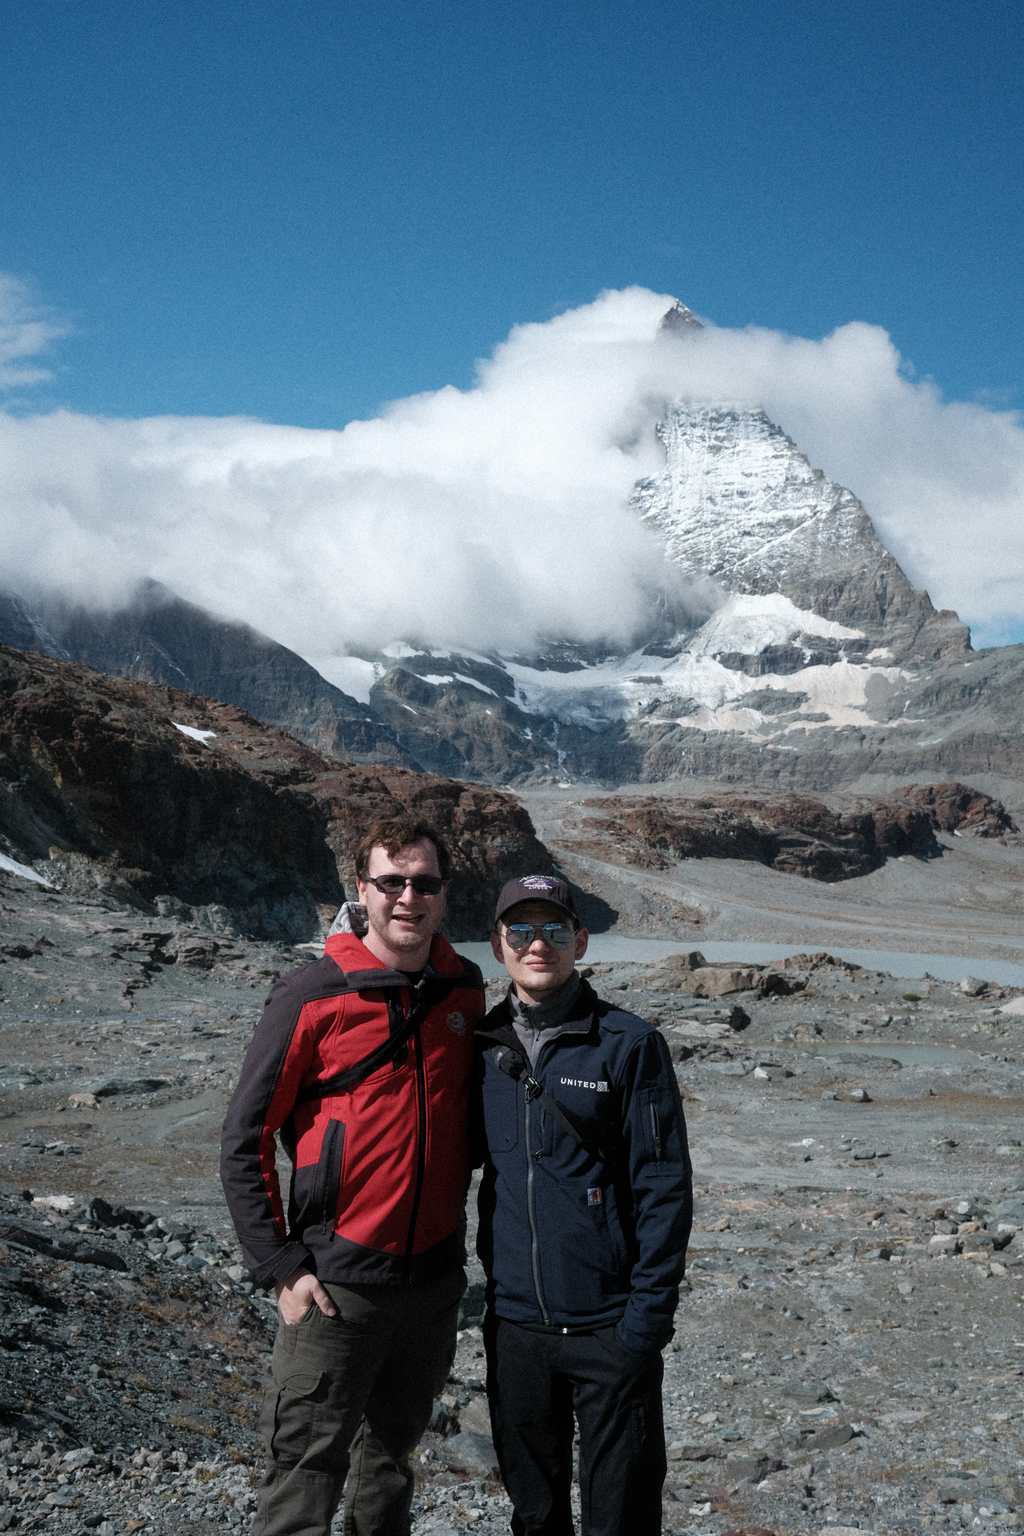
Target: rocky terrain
{"points": [[846, 1350], [967, 901], [189, 807]]}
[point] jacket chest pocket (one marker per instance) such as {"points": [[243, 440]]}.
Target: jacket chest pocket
{"points": [[501, 1110]]}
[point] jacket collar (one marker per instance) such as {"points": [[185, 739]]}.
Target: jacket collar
{"points": [[496, 1026], [350, 954]]}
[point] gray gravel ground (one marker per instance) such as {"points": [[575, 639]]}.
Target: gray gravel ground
{"points": [[848, 1353]]}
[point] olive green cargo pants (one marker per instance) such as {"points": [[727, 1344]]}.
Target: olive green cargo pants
{"points": [[350, 1396]]}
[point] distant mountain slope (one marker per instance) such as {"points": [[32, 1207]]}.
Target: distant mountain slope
{"points": [[103, 791], [738, 501], [159, 638]]}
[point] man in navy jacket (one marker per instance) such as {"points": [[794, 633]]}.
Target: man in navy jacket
{"points": [[585, 1213]]}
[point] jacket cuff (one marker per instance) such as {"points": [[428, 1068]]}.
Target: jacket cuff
{"points": [[637, 1333], [291, 1257]]}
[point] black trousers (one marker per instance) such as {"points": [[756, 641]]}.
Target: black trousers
{"points": [[536, 1383]]}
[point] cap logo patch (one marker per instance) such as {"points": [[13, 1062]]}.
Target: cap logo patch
{"points": [[537, 883], [456, 1023]]}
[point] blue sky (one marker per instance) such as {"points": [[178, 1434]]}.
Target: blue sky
{"points": [[299, 210]]}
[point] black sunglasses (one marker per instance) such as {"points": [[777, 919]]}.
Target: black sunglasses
{"points": [[520, 935], [394, 885]]}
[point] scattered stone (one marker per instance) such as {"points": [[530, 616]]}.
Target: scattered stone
{"points": [[808, 1392], [753, 1468], [829, 1438], [972, 987], [943, 1242], [697, 1452], [471, 1452], [109, 1087]]}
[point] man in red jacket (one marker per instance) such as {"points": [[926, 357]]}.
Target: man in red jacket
{"points": [[360, 1064]]}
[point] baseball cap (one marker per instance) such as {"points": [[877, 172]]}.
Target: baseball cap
{"points": [[536, 888]]}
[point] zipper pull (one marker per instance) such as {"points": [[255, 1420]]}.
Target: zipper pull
{"points": [[656, 1131]]}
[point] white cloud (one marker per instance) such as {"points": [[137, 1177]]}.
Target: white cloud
{"points": [[486, 517], [26, 329]]}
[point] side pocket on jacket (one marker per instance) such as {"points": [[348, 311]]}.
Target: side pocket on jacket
{"points": [[328, 1176]]}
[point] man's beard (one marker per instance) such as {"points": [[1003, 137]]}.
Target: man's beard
{"points": [[397, 937]]}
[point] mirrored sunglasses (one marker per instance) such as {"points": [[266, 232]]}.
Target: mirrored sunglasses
{"points": [[520, 935], [394, 885]]}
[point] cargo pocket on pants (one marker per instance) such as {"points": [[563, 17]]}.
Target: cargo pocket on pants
{"points": [[289, 1413]]}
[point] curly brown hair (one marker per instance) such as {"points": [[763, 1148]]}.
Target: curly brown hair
{"points": [[397, 833]]}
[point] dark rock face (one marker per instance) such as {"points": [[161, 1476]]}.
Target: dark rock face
{"points": [[159, 638], [458, 729], [92, 766], [248, 824], [792, 834], [958, 808]]}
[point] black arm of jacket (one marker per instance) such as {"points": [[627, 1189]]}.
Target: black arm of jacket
{"points": [[661, 1180]]}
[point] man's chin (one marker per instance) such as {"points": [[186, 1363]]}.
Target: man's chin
{"points": [[407, 938]]}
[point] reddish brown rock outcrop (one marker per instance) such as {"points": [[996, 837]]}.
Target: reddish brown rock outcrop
{"points": [[95, 776], [790, 833], [958, 808]]}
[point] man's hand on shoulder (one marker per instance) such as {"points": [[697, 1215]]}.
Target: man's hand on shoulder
{"points": [[298, 1292]]}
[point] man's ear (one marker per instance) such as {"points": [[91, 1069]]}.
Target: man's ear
{"points": [[496, 948], [582, 940]]}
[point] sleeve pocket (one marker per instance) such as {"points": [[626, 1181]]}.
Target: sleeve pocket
{"points": [[660, 1130]]}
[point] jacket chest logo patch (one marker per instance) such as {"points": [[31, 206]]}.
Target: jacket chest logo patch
{"points": [[579, 1082], [456, 1023]]}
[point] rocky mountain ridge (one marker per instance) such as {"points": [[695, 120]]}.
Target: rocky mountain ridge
{"points": [[792, 834], [188, 807], [160, 638]]}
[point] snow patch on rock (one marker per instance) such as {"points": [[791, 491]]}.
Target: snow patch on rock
{"points": [[749, 623], [197, 735], [26, 872]]}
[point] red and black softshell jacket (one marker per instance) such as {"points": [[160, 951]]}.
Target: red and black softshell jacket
{"points": [[380, 1167]]}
